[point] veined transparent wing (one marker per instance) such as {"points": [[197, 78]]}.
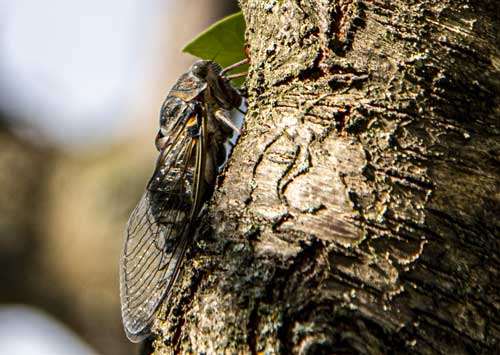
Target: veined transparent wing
{"points": [[158, 230]]}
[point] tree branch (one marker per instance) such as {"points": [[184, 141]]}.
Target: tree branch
{"points": [[359, 212]]}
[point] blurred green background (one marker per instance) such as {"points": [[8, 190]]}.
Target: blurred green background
{"points": [[81, 84]]}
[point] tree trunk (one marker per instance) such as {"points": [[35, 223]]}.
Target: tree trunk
{"points": [[359, 211]]}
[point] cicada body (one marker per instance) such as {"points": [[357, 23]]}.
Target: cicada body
{"points": [[195, 126]]}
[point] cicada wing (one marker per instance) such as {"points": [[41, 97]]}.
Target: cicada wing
{"points": [[158, 234], [150, 263]]}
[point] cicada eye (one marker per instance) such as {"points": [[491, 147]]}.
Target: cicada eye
{"points": [[200, 69]]}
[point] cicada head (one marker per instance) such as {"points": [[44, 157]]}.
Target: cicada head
{"points": [[205, 68], [219, 90]]}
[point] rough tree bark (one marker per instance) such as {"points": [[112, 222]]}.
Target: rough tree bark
{"points": [[359, 212]]}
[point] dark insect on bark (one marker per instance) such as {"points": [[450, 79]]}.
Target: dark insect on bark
{"points": [[196, 134]]}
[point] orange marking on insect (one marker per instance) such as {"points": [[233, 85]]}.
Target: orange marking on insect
{"points": [[192, 121]]}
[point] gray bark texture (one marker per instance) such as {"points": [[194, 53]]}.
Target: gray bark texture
{"points": [[359, 213]]}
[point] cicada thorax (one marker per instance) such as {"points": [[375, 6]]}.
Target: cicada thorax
{"points": [[199, 96], [188, 87]]}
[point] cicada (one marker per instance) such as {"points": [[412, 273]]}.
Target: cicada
{"points": [[196, 125]]}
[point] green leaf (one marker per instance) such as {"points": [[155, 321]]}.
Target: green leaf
{"points": [[222, 42]]}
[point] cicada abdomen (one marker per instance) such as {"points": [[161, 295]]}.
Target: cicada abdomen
{"points": [[195, 125]]}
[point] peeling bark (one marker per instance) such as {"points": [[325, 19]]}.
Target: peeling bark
{"points": [[359, 212]]}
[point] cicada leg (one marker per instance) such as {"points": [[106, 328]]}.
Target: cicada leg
{"points": [[234, 66]]}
